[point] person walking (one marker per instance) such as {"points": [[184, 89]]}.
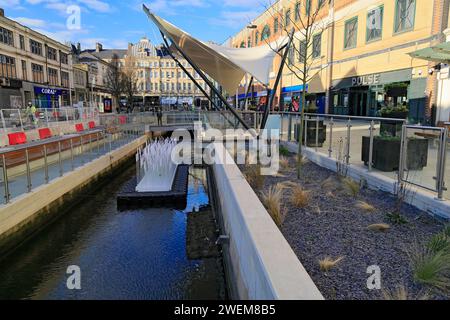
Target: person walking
{"points": [[31, 112], [159, 115]]}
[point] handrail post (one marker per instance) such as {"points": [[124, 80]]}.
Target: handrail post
{"points": [[98, 144], [71, 154], [27, 162], [441, 164], [20, 119], [46, 164], [330, 147], [403, 151], [3, 121], [61, 170], [372, 129], [81, 149], [347, 151], [317, 133], [5, 180]]}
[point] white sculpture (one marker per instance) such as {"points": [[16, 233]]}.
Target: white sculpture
{"points": [[155, 167]]}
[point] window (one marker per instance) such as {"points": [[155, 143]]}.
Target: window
{"points": [[320, 3], [65, 79], [242, 44], [374, 24], [297, 11], [256, 38], [52, 76], [6, 37], [184, 86], [404, 15], [36, 47], [189, 86], [351, 33], [22, 42], [302, 52], [265, 33], [287, 18], [249, 42], [51, 54], [308, 7], [24, 70], [291, 55], [64, 57], [7, 66], [275, 25], [38, 73], [317, 46]]}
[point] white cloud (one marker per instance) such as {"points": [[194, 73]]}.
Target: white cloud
{"points": [[32, 23]]}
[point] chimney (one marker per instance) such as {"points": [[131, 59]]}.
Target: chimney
{"points": [[2, 12], [98, 47]]}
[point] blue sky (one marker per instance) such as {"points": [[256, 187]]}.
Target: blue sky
{"points": [[114, 23]]}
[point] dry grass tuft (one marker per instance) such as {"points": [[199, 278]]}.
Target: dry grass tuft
{"points": [[330, 183], [328, 263], [352, 187], [272, 201], [364, 206], [401, 294], [284, 163], [380, 227], [299, 197], [254, 177]]}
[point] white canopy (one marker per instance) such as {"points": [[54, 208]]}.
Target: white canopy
{"points": [[227, 66]]}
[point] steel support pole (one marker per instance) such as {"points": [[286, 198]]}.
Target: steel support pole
{"points": [[372, 132], [27, 163], [46, 164], [330, 147], [5, 180], [347, 151], [61, 170], [442, 162], [247, 93]]}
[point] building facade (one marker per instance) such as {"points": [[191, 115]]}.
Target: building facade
{"points": [[160, 80], [359, 55], [33, 68]]}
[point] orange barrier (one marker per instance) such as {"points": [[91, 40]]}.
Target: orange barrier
{"points": [[79, 127], [45, 133]]}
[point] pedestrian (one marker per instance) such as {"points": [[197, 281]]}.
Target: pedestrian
{"points": [[31, 112], [159, 115]]}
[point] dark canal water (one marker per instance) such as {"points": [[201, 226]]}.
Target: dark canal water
{"points": [[137, 254]]}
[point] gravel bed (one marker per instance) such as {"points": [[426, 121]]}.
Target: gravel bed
{"points": [[332, 226]]}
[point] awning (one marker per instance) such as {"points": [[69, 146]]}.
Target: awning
{"points": [[227, 66], [439, 53]]}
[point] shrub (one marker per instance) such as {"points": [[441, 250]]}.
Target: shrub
{"points": [[272, 201], [299, 197], [328, 263], [431, 268], [284, 163], [439, 242], [401, 294], [396, 217], [254, 177], [284, 151]]}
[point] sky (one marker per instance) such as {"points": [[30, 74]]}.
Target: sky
{"points": [[115, 23]]}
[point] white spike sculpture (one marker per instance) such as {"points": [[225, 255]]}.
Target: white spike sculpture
{"points": [[156, 167]]}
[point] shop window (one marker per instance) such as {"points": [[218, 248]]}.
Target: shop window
{"points": [[7, 66], [6, 37], [351, 33], [374, 24], [404, 15], [317, 46]]}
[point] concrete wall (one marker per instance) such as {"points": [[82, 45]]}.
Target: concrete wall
{"points": [[29, 212], [263, 265]]}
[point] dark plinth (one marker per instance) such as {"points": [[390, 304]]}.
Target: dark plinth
{"points": [[175, 198]]}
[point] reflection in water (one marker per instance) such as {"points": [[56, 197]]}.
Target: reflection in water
{"points": [[139, 254]]}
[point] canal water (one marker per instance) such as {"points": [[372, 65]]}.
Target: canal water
{"points": [[139, 254]]}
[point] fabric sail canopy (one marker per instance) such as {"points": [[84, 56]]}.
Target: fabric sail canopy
{"points": [[439, 53], [227, 66]]}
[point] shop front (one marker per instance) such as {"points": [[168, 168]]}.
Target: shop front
{"points": [[366, 95], [47, 98], [291, 98]]}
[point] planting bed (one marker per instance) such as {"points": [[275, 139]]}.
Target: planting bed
{"points": [[333, 225]]}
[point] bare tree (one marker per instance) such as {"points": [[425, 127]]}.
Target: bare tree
{"points": [[305, 18], [114, 80], [129, 80]]}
